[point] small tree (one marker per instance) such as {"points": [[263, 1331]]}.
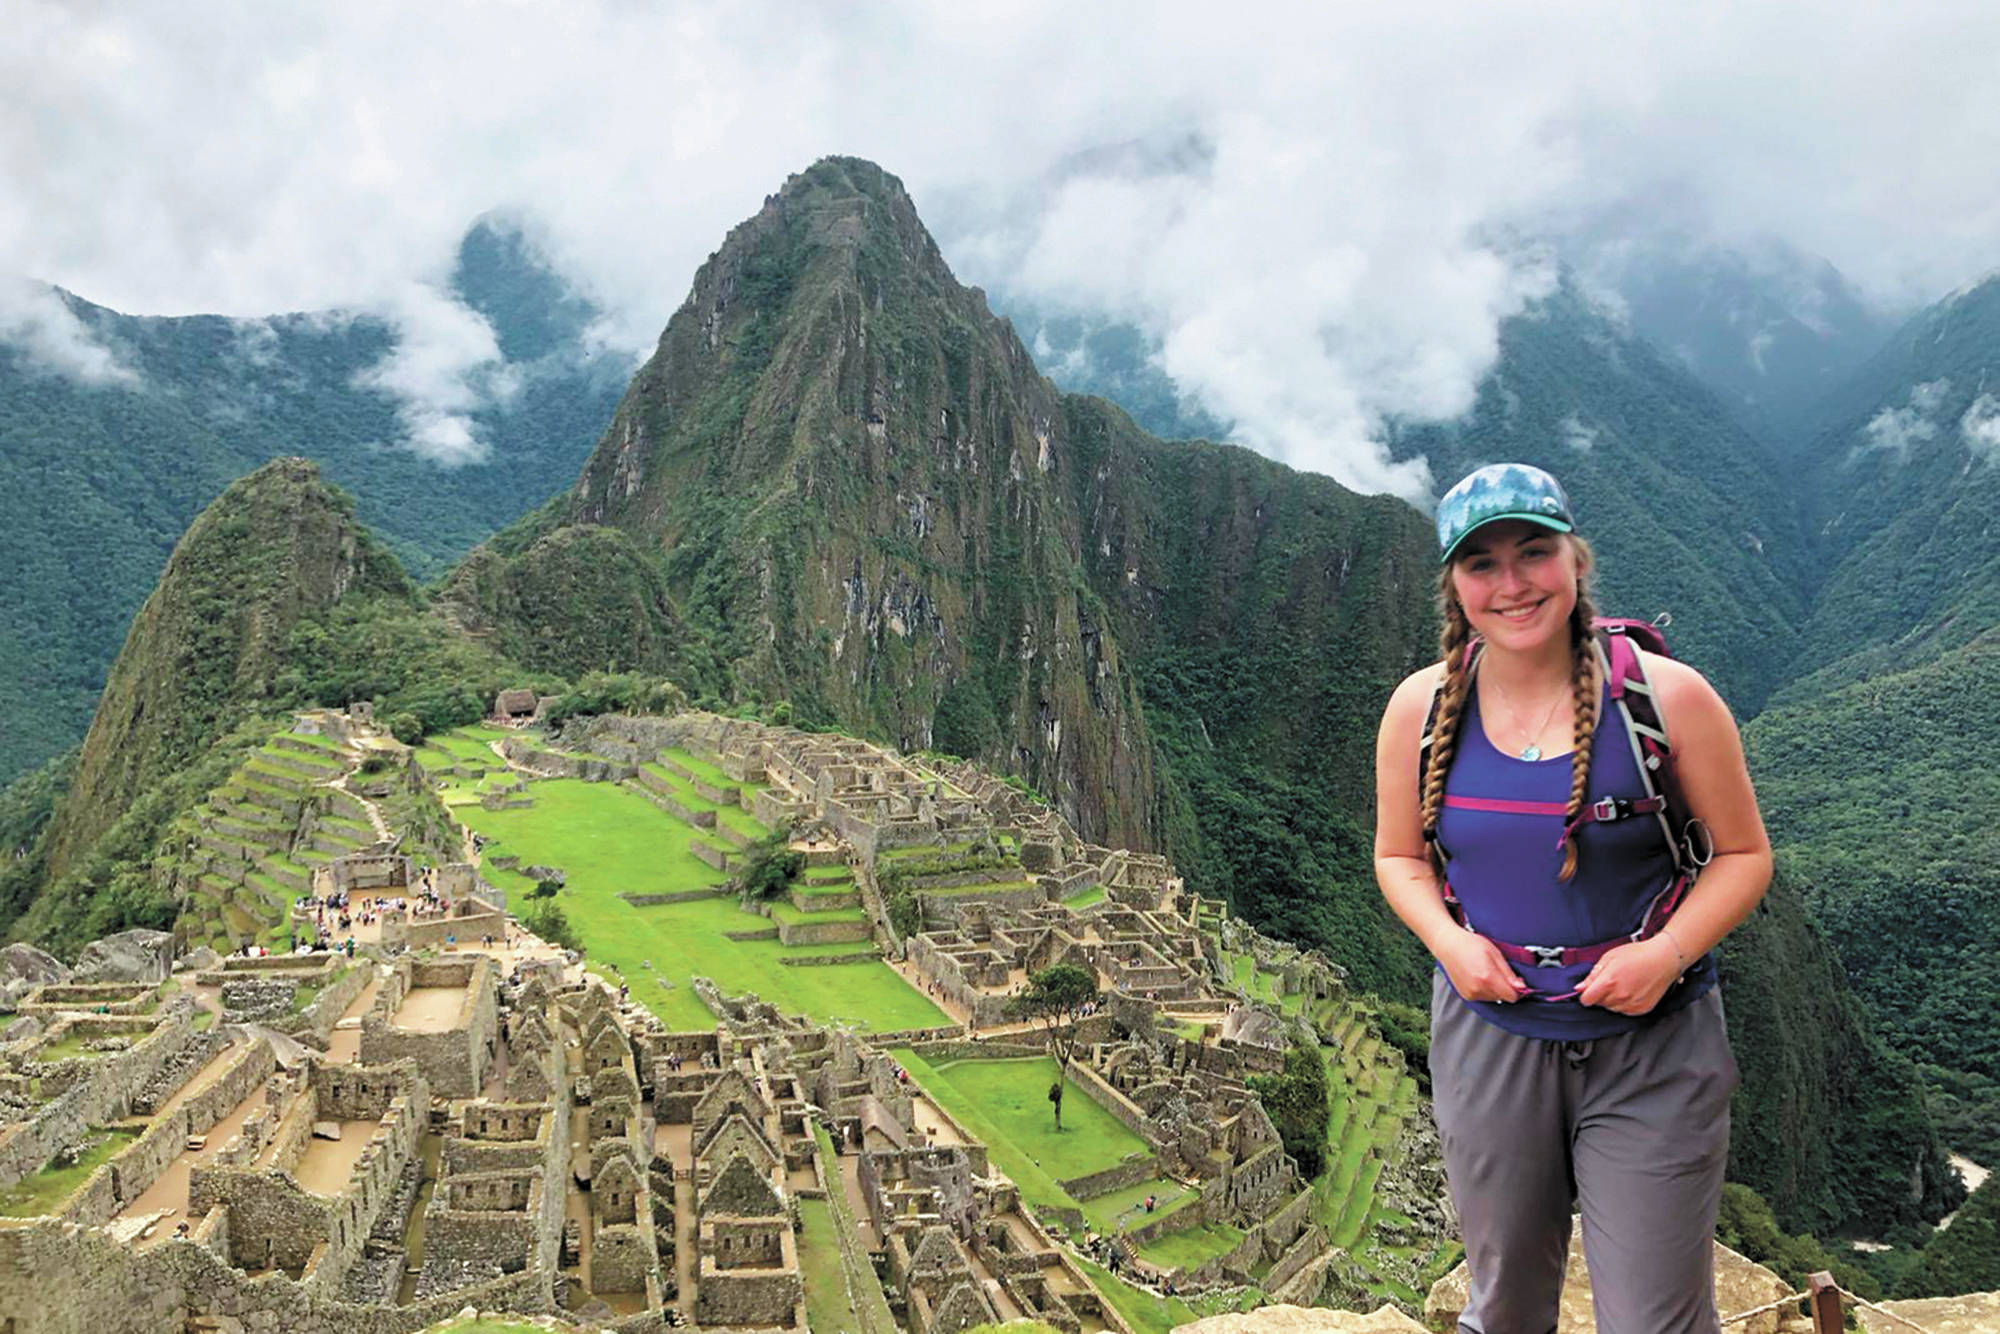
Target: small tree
{"points": [[1057, 997]]}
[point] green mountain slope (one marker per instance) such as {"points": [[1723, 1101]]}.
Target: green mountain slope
{"points": [[275, 598], [854, 483], [1680, 503], [98, 482]]}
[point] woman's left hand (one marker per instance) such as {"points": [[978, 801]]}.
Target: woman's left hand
{"points": [[1632, 978]]}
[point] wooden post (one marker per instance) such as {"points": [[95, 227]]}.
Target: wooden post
{"points": [[1824, 1298]]}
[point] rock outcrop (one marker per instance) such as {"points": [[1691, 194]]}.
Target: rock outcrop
{"points": [[1974, 1313], [130, 956], [1305, 1320], [22, 969]]}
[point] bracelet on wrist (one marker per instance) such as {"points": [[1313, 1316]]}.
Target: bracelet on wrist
{"points": [[1680, 955]]}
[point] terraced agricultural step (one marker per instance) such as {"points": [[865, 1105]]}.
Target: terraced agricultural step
{"points": [[296, 763], [825, 902], [264, 771], [293, 741]]}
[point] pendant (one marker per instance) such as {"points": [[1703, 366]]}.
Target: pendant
{"points": [[1531, 752]]}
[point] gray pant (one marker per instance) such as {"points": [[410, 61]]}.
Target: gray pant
{"points": [[1633, 1130]]}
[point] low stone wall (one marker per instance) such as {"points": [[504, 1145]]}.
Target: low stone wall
{"points": [[707, 791], [827, 960], [709, 853], [662, 794], [1094, 1184], [433, 931], [683, 896], [1300, 1254], [824, 933], [1128, 1113], [332, 1002], [127, 1176], [958, 1048]]}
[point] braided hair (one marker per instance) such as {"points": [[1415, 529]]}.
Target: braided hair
{"points": [[1454, 638]]}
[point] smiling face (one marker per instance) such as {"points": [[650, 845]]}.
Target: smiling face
{"points": [[1517, 582]]}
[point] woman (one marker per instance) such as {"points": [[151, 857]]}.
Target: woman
{"points": [[1595, 1077]]}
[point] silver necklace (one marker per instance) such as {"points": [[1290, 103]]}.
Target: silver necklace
{"points": [[1531, 751]]}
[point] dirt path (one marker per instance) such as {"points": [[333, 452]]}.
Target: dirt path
{"points": [[343, 1046], [431, 1009], [931, 1121], [170, 1191], [327, 1164]]}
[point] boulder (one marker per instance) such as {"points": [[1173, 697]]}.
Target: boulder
{"points": [[25, 963], [130, 956], [197, 960], [22, 969], [1740, 1285], [1305, 1320], [326, 1130]]}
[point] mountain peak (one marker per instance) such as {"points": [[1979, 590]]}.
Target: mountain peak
{"points": [[275, 545]]}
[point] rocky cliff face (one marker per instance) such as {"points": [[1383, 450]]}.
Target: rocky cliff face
{"points": [[866, 500]]}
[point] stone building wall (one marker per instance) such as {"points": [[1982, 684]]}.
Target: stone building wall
{"points": [[60, 1279], [100, 1092], [126, 1177], [454, 1061]]}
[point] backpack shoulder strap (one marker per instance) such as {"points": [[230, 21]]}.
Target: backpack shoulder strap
{"points": [[1431, 717], [1638, 711]]}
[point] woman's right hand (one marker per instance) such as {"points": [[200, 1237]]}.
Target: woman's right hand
{"points": [[1478, 970]]}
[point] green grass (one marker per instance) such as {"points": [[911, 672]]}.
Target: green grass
{"points": [[702, 769], [1126, 1208], [1148, 1314], [727, 813], [1193, 1246], [317, 759], [1085, 898], [1005, 1105], [64, 1050], [45, 1191], [611, 840], [782, 911], [827, 1306]]}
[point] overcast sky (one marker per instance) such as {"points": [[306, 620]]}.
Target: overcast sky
{"points": [[1324, 210]]}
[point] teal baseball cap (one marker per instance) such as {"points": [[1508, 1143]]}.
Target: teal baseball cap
{"points": [[1501, 491]]}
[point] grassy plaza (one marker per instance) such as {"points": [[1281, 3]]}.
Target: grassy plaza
{"points": [[609, 841]]}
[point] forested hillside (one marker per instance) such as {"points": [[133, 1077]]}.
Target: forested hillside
{"points": [[97, 482]]}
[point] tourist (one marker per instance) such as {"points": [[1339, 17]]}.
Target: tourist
{"points": [[1591, 1069]]}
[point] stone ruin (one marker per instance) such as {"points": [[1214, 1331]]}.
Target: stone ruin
{"points": [[368, 1147]]}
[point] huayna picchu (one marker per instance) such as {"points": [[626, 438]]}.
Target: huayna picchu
{"points": [[654, 922]]}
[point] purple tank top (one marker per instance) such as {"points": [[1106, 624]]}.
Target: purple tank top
{"points": [[1503, 866]]}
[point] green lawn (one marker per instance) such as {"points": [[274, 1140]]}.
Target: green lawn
{"points": [[1193, 1246], [1084, 899], [612, 840], [702, 769], [727, 813], [1005, 1104], [827, 1308], [45, 1191]]}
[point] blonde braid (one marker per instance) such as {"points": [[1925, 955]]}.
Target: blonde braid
{"points": [[1583, 689], [1454, 633]]}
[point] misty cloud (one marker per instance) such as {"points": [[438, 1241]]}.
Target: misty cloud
{"points": [[37, 323], [1894, 430], [1320, 212], [445, 366], [1980, 428]]}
